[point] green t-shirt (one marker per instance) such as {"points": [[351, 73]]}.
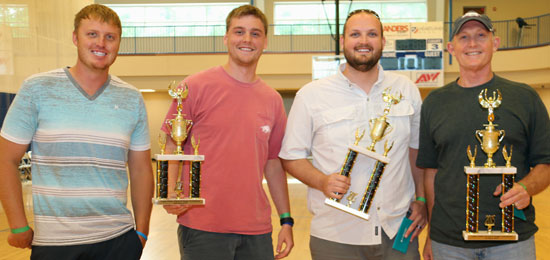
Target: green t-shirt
{"points": [[449, 119]]}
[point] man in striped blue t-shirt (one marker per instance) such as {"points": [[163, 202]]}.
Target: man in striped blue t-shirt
{"points": [[84, 126]]}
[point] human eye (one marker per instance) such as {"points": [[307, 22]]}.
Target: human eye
{"points": [[92, 34], [111, 37], [373, 34], [354, 34], [481, 37], [256, 34]]}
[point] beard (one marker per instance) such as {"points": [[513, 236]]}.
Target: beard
{"points": [[360, 63]]}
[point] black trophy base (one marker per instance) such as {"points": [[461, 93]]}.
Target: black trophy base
{"points": [[182, 201], [485, 235]]}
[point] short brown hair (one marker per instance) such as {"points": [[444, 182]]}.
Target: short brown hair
{"points": [[366, 11], [245, 10], [101, 12]]}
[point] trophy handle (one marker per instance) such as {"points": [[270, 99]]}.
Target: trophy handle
{"points": [[502, 133], [388, 130], [478, 134], [168, 123], [189, 125], [371, 122]]}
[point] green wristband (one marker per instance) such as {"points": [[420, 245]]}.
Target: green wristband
{"points": [[421, 199], [523, 185], [20, 230], [285, 215]]}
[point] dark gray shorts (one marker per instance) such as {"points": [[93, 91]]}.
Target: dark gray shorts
{"points": [[127, 246], [201, 245], [327, 250]]}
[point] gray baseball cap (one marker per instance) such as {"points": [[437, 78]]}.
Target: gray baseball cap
{"points": [[472, 16]]}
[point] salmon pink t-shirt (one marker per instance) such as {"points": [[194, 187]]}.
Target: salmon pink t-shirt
{"points": [[240, 127]]}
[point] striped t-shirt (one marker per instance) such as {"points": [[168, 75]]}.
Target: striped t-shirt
{"points": [[79, 149]]}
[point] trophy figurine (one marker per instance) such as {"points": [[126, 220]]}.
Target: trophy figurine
{"points": [[179, 128], [379, 129], [490, 139], [489, 222]]}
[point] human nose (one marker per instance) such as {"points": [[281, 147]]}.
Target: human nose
{"points": [[472, 41], [247, 37], [100, 41], [363, 38]]}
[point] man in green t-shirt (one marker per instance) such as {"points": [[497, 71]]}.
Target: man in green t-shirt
{"points": [[449, 119]]}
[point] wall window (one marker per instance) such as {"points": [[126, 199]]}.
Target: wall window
{"points": [[168, 20], [315, 17], [16, 16]]}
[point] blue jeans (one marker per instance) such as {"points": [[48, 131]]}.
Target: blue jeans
{"points": [[524, 250]]}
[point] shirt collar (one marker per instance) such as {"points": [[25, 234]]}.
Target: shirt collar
{"points": [[350, 84]]}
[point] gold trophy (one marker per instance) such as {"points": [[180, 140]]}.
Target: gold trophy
{"points": [[490, 139], [379, 129], [179, 128]]}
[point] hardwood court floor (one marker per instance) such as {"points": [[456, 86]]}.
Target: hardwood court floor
{"points": [[163, 241]]}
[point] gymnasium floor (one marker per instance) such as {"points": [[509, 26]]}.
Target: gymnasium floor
{"points": [[163, 241]]}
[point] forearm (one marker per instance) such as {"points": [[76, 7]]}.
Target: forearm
{"points": [[304, 171], [277, 184], [417, 174], [142, 193], [141, 186], [12, 197], [10, 187], [429, 179], [537, 180]]}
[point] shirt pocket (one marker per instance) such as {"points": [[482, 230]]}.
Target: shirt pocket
{"points": [[335, 125]]}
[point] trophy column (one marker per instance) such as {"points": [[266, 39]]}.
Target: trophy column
{"points": [[508, 211], [472, 203], [162, 179], [374, 181]]}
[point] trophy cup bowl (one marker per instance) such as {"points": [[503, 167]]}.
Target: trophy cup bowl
{"points": [[490, 141], [179, 128], [378, 130]]}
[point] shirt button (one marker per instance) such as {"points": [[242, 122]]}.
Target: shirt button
{"points": [[378, 208]]}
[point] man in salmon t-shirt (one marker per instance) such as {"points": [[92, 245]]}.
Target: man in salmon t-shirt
{"points": [[240, 122]]}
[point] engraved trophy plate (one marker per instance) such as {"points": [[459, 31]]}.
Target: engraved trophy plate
{"points": [[179, 128], [379, 129], [489, 139]]}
